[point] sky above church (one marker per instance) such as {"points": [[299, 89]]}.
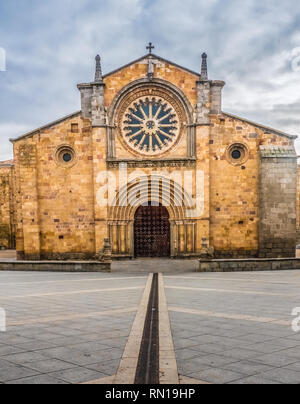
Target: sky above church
{"points": [[50, 46]]}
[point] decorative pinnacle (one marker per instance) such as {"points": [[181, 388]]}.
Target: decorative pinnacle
{"points": [[204, 71], [98, 74], [150, 47]]}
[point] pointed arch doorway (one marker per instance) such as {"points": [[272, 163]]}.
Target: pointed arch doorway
{"points": [[152, 231]]}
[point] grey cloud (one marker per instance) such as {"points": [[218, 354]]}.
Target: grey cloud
{"points": [[51, 46]]}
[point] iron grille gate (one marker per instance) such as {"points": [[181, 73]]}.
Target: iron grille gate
{"points": [[152, 232]]}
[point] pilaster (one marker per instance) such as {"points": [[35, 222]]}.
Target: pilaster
{"points": [[277, 190], [216, 96], [29, 203], [203, 176], [203, 102], [99, 142]]}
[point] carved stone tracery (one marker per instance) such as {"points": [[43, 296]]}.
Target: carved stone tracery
{"points": [[150, 121], [156, 89]]}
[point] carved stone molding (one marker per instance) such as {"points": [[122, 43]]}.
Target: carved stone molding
{"points": [[119, 222], [155, 84], [184, 162]]}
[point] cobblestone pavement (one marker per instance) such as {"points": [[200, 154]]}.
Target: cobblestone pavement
{"points": [[236, 327], [65, 328], [165, 265], [73, 328]]}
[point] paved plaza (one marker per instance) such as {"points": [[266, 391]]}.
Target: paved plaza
{"points": [[73, 328], [65, 328], [236, 327]]}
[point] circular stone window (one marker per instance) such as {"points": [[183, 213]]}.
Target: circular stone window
{"points": [[237, 154], [150, 125], [65, 156]]}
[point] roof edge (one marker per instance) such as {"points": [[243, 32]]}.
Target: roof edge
{"points": [[155, 57], [261, 126], [35, 131], [7, 163]]}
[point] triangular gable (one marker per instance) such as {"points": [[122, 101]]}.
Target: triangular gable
{"points": [[153, 56]]}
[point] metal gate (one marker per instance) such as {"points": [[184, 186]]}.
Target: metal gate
{"points": [[152, 232]]}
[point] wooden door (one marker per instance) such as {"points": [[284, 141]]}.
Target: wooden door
{"points": [[152, 232]]}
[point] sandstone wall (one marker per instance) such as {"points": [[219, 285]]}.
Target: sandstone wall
{"points": [[7, 205], [278, 192], [298, 207], [57, 211], [234, 189]]}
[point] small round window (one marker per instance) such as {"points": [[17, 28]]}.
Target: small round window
{"points": [[65, 156], [237, 154]]}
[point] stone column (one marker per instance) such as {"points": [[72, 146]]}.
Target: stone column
{"points": [[99, 165], [277, 206], [86, 92], [115, 244], [191, 141], [206, 95], [190, 237], [18, 205], [92, 97], [206, 98], [298, 204], [216, 96], [130, 238], [203, 102], [202, 220], [27, 165], [182, 241], [122, 229], [174, 239]]}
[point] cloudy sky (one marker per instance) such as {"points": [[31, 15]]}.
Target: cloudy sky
{"points": [[50, 46]]}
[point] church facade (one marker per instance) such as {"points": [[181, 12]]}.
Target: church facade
{"points": [[152, 163]]}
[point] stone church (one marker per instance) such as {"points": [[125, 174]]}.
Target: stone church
{"points": [[152, 163]]}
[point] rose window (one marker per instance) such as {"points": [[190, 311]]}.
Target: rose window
{"points": [[150, 126]]}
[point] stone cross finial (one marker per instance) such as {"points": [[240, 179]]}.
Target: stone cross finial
{"points": [[150, 47], [98, 74], [204, 71]]}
